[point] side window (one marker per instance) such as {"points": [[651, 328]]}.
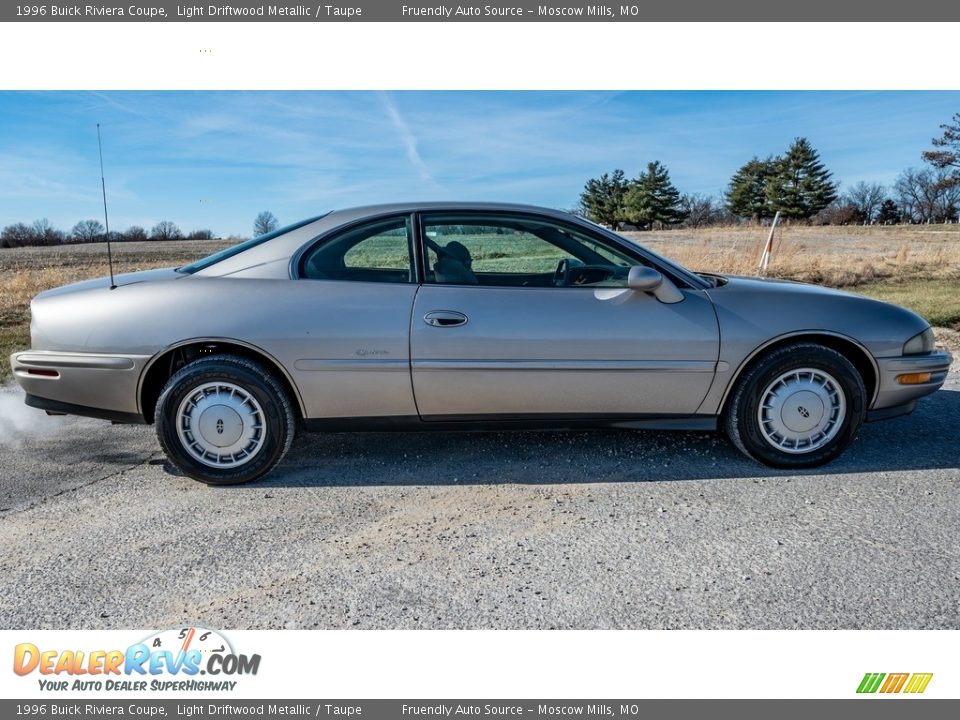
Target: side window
{"points": [[377, 252], [492, 249], [518, 251]]}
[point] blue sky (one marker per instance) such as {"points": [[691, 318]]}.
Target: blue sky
{"points": [[215, 159]]}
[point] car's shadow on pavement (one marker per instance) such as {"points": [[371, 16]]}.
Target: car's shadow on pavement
{"points": [[927, 439]]}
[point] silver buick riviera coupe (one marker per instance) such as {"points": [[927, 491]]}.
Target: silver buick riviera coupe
{"points": [[454, 316]]}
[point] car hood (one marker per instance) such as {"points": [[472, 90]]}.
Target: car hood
{"points": [[778, 285], [762, 307], [118, 280]]}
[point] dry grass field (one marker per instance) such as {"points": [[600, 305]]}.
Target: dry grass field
{"points": [[915, 266], [834, 256]]}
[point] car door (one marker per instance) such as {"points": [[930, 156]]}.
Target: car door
{"points": [[351, 352], [492, 334]]}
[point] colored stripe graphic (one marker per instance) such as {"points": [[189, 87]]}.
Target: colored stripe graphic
{"points": [[870, 682], [894, 682], [918, 683]]}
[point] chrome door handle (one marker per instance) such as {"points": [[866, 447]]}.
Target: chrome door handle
{"points": [[445, 318]]}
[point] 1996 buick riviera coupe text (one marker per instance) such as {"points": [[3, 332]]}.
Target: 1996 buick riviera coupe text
{"points": [[457, 316]]}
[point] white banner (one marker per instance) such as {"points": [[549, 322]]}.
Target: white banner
{"points": [[464, 664]]}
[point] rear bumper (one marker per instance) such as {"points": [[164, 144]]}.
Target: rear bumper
{"points": [[892, 394], [95, 385]]}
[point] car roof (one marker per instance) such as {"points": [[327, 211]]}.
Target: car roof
{"points": [[348, 214]]}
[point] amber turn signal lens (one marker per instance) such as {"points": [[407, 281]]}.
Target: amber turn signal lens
{"points": [[914, 378]]}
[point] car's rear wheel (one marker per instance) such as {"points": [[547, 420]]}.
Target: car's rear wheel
{"points": [[224, 420], [798, 406]]}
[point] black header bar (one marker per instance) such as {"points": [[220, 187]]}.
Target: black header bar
{"points": [[860, 13]]}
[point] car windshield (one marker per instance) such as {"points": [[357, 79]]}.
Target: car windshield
{"points": [[229, 252], [680, 269], [606, 229]]}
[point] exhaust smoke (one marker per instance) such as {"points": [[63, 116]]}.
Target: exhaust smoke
{"points": [[19, 423]]}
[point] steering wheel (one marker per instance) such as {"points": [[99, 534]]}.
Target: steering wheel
{"points": [[561, 276]]}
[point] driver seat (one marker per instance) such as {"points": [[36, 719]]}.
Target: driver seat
{"points": [[453, 265]]}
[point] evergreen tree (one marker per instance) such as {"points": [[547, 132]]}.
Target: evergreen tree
{"points": [[800, 186], [747, 194], [602, 198], [652, 198], [947, 154], [889, 213]]}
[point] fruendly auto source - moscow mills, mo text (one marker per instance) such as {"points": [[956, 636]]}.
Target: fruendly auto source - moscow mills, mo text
{"points": [[319, 11], [135, 12]]}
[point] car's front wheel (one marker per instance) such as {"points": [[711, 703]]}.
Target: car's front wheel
{"points": [[799, 406], [224, 420]]}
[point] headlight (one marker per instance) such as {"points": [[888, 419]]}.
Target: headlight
{"points": [[920, 343]]}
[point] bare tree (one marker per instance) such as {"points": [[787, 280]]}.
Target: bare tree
{"points": [[134, 233], [700, 210], [927, 195], [87, 231], [165, 230], [839, 212], [44, 233], [16, 235], [866, 199], [947, 208], [265, 222]]}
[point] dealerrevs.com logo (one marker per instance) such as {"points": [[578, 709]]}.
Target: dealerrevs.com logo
{"points": [[172, 659], [911, 683]]}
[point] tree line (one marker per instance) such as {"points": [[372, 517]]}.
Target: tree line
{"points": [[42, 232], [796, 184]]}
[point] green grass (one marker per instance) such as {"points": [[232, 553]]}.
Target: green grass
{"points": [[12, 339], [936, 300]]}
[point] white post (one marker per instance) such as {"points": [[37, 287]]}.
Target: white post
{"points": [[768, 247]]}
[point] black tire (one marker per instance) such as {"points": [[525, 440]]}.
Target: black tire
{"points": [[272, 426], [745, 428]]}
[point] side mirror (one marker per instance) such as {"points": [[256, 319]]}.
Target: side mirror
{"points": [[646, 279]]}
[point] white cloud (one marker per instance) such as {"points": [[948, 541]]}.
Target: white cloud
{"points": [[406, 137]]}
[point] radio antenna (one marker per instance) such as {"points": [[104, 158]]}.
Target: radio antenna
{"points": [[106, 220]]}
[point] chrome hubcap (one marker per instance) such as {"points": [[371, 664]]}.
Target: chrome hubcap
{"points": [[801, 410], [221, 425]]}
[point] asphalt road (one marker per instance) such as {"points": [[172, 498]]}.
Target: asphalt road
{"points": [[538, 530]]}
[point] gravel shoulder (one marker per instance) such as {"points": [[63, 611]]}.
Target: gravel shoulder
{"points": [[612, 529]]}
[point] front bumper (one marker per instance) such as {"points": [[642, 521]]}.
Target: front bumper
{"points": [[891, 393], [97, 385]]}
